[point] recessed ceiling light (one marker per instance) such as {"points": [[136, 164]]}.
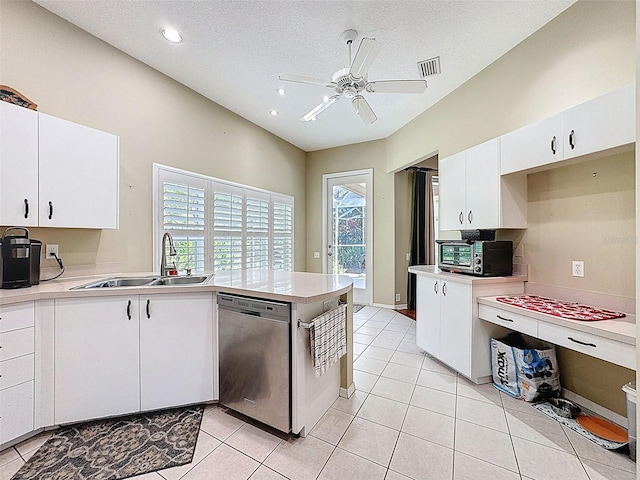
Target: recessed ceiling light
{"points": [[325, 99], [313, 119], [280, 91], [170, 34], [274, 112]]}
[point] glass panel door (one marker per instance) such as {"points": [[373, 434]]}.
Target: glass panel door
{"points": [[348, 230]]}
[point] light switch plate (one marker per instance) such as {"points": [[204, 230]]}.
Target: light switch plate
{"points": [[316, 254]]}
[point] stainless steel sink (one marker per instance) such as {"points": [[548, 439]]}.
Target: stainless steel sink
{"points": [[118, 282], [181, 280]]}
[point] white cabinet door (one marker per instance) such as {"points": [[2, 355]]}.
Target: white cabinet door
{"points": [[455, 326], [78, 172], [18, 165], [451, 179], [176, 349], [16, 411], [602, 123], [428, 314], [532, 146], [482, 174], [96, 358]]}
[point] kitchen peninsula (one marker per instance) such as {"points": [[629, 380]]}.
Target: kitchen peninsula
{"points": [[74, 354]]}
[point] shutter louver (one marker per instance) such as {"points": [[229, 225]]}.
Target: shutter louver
{"points": [[227, 227], [282, 236], [257, 239]]}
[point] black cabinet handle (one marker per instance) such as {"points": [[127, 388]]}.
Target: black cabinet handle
{"points": [[470, 216], [444, 289], [553, 144], [50, 210], [582, 343], [435, 288], [460, 217], [129, 310], [26, 208], [148, 312], [571, 139], [505, 319]]}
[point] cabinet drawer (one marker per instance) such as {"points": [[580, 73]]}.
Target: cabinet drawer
{"points": [[599, 347], [16, 411], [15, 371], [16, 343], [512, 321], [14, 317]]}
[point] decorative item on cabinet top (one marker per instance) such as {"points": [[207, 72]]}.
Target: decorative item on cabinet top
{"points": [[11, 95]]}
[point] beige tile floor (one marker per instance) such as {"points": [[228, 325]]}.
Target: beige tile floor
{"points": [[410, 418]]}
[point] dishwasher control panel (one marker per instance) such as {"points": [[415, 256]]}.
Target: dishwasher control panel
{"points": [[257, 307]]}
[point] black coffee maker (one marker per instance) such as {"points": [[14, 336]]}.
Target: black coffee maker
{"points": [[19, 259]]}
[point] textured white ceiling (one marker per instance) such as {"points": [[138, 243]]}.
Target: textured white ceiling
{"points": [[234, 51]]}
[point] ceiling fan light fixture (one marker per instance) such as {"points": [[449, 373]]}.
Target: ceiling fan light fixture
{"points": [[171, 35]]}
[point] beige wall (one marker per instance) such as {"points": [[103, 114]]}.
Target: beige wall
{"points": [[73, 75], [343, 159]]}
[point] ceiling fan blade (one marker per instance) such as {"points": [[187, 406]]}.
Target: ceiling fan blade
{"points": [[397, 86], [320, 108], [366, 54], [308, 80], [363, 109]]}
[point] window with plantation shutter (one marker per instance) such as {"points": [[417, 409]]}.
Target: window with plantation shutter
{"points": [[219, 225], [183, 215]]}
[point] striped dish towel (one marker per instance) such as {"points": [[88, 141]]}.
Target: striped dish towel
{"points": [[328, 338]]}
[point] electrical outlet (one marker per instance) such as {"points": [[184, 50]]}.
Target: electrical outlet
{"points": [[326, 305], [316, 254], [397, 297], [577, 268], [408, 257], [51, 250], [519, 251]]}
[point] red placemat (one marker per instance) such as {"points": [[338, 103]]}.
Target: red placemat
{"points": [[558, 308]]}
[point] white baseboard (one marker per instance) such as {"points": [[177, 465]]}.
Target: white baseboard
{"points": [[383, 305], [595, 408], [347, 392], [402, 306]]}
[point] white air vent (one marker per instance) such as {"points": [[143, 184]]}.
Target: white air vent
{"points": [[429, 67]]}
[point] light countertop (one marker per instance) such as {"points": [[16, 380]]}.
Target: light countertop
{"points": [[434, 271], [619, 329], [295, 287]]}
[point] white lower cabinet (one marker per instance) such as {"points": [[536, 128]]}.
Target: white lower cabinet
{"points": [[176, 350], [123, 354], [97, 372], [17, 373], [447, 323]]}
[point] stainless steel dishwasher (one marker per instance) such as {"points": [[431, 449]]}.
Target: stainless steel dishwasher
{"points": [[255, 358]]}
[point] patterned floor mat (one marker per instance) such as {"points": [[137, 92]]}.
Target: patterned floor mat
{"points": [[117, 448]]}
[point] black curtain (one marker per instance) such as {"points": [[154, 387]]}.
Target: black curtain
{"points": [[422, 234]]}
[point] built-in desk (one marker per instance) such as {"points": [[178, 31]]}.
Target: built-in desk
{"points": [[610, 340]]}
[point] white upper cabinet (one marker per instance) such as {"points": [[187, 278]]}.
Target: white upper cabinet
{"points": [[601, 124], [56, 173], [18, 165], [532, 146], [78, 169], [474, 196]]}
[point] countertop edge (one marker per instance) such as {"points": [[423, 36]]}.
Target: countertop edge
{"points": [[586, 327], [434, 271]]}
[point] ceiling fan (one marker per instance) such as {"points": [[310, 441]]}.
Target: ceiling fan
{"points": [[351, 82]]}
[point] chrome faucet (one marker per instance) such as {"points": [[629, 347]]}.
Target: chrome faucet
{"points": [[164, 268]]}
